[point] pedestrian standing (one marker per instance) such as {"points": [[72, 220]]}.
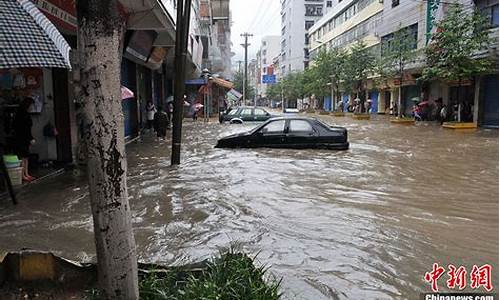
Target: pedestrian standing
{"points": [[23, 139], [368, 105], [170, 111], [150, 114], [161, 123]]}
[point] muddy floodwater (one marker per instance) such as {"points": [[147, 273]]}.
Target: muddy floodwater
{"points": [[366, 223]]}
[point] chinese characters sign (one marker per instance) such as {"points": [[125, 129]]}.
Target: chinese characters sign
{"points": [[432, 7], [479, 277]]}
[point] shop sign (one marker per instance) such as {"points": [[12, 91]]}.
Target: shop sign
{"points": [[61, 13], [432, 8]]}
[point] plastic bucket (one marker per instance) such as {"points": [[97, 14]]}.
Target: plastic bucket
{"points": [[10, 165], [16, 175], [10, 158]]}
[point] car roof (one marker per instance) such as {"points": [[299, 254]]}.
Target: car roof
{"points": [[285, 117], [238, 107]]}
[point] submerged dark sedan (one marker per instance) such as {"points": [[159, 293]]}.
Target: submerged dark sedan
{"points": [[238, 115], [291, 132]]}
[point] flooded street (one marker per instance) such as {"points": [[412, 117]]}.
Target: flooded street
{"points": [[366, 223]]}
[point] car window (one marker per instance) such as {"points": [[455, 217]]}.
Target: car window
{"points": [[274, 127], [233, 112], [246, 112], [300, 125], [260, 112]]}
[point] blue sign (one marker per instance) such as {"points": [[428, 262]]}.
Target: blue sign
{"points": [[269, 79]]}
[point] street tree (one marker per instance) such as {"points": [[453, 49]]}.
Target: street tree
{"points": [[316, 77], [398, 52], [274, 91], [101, 29], [454, 50], [239, 78], [360, 63], [337, 67], [294, 86], [459, 37]]}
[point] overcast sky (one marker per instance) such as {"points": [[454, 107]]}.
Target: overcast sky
{"points": [[259, 17]]}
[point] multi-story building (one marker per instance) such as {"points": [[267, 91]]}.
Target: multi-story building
{"points": [[215, 33], [374, 22], [297, 16], [269, 49]]}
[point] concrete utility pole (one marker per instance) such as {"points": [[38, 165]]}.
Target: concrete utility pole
{"points": [[181, 41], [239, 65], [245, 78]]}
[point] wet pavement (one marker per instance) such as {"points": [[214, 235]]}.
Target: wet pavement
{"points": [[366, 223]]}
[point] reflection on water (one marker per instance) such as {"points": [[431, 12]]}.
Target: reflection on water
{"points": [[363, 223]]}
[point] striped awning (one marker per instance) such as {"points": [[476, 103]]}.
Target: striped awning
{"points": [[29, 39]]}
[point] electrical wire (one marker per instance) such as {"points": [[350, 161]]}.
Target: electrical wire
{"points": [[263, 15], [256, 15]]}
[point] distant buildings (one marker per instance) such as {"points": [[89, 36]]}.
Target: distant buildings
{"points": [[297, 16], [374, 22], [269, 49]]}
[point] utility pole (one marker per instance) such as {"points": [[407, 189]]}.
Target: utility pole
{"points": [[239, 66], [181, 41], [245, 78]]}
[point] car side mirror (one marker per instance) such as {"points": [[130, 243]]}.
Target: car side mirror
{"points": [[264, 130]]}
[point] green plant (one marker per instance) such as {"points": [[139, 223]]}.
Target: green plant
{"points": [[459, 37], [232, 275]]}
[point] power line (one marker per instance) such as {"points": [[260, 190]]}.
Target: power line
{"points": [[266, 10], [256, 15]]}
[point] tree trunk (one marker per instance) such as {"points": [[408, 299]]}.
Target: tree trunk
{"points": [[100, 35]]}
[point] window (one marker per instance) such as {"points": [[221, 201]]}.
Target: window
{"points": [[300, 126], [329, 3], [489, 8], [308, 24], [314, 10], [306, 40], [260, 112], [233, 112], [274, 127], [395, 3], [246, 112]]}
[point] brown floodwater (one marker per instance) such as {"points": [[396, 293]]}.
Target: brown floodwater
{"points": [[366, 223]]}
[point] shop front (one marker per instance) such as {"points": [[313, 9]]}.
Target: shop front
{"points": [[489, 100], [34, 65]]}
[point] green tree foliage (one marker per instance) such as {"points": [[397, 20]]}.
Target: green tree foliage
{"points": [[294, 86], [238, 85], [317, 76], [274, 91], [359, 64], [459, 36]]}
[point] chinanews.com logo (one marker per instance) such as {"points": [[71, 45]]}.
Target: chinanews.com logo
{"points": [[458, 279], [458, 296]]}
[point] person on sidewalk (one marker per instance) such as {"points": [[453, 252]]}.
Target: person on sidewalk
{"points": [[170, 110], [161, 123], [150, 114], [23, 139]]}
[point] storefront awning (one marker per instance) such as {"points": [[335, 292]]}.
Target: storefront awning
{"points": [[29, 39], [223, 83]]}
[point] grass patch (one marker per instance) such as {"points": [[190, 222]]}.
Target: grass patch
{"points": [[231, 275]]}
